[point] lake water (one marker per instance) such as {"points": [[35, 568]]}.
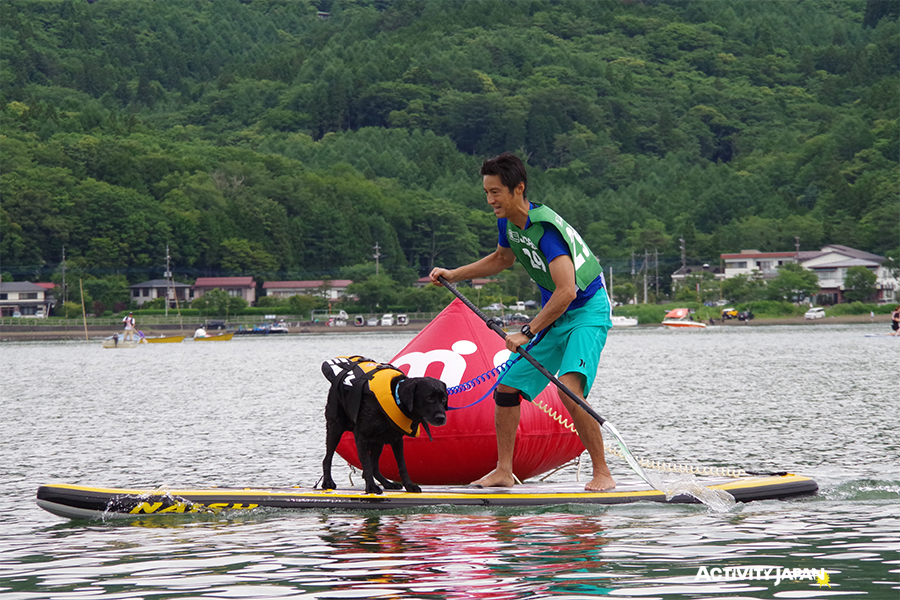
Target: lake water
{"points": [[818, 400]]}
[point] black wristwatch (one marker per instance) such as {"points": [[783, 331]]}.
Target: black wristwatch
{"points": [[526, 329]]}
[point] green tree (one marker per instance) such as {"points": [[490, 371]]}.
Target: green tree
{"points": [[270, 302], [70, 310], [744, 288], [218, 302], [376, 292], [698, 287], [426, 299], [240, 256], [859, 284], [301, 304], [623, 292], [112, 292], [793, 283]]}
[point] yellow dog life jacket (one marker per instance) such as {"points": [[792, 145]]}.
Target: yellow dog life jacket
{"points": [[350, 375]]}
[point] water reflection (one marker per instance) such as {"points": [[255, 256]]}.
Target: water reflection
{"points": [[819, 401], [464, 555]]}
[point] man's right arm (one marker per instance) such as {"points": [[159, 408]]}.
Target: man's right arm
{"points": [[495, 262]]}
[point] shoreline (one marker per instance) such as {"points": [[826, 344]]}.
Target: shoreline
{"points": [[46, 333]]}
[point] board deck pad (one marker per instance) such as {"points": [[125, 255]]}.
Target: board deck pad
{"points": [[84, 502]]}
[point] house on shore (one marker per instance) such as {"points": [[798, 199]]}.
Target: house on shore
{"points": [[830, 264], [161, 288], [476, 283], [239, 287], [333, 289], [679, 276], [25, 299]]}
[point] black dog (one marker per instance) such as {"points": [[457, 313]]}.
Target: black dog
{"points": [[380, 405]]}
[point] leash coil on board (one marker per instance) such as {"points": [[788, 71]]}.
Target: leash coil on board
{"points": [[647, 464]]}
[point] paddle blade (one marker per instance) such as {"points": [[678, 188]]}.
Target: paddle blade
{"points": [[626, 453]]}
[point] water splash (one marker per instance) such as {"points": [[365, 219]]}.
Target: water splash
{"points": [[683, 483], [862, 489]]}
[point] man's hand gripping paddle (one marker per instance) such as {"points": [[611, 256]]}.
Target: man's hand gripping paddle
{"points": [[606, 425]]}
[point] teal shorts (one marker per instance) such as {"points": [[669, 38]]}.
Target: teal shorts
{"points": [[571, 345]]}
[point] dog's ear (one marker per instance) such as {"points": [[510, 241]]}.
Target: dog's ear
{"points": [[406, 391], [442, 387]]}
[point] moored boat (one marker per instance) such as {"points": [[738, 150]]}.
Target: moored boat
{"points": [[618, 321], [120, 343], [680, 318], [168, 339], [222, 337]]}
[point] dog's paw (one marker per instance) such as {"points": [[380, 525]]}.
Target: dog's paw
{"points": [[328, 484], [413, 489], [391, 485], [373, 489]]}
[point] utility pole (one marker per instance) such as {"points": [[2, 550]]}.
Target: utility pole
{"points": [[646, 259], [65, 289], [797, 244], [609, 289], [168, 276], [376, 256], [683, 256], [632, 277], [656, 279]]}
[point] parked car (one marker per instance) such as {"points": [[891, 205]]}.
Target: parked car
{"points": [[387, 320], [745, 316], [816, 312], [493, 307], [729, 313], [513, 319], [372, 322]]}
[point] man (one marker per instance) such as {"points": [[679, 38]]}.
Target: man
{"points": [[572, 324], [895, 321], [129, 327]]}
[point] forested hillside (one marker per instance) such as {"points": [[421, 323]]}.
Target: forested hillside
{"points": [[261, 138]]}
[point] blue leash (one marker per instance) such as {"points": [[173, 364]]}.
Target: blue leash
{"points": [[464, 387], [497, 371]]}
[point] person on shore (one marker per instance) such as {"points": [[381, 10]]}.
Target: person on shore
{"points": [[571, 327], [129, 327], [895, 321]]}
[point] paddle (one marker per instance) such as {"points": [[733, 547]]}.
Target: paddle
{"points": [[492, 324]]}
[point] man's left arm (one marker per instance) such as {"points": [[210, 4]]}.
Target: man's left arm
{"points": [[562, 271]]}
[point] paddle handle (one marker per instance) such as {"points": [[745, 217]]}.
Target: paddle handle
{"points": [[491, 323]]}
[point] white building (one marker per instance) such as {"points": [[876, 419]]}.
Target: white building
{"points": [[161, 288], [330, 290], [236, 287], [24, 299], [830, 264], [749, 261]]}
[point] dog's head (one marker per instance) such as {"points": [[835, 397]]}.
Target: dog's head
{"points": [[424, 399]]}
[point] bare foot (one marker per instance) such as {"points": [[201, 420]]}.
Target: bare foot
{"points": [[600, 483], [496, 478]]}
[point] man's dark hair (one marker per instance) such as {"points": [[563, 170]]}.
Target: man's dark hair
{"points": [[510, 169]]}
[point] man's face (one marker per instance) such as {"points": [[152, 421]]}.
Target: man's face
{"points": [[499, 196]]}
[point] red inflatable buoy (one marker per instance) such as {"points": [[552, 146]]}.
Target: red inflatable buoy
{"points": [[458, 347]]}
